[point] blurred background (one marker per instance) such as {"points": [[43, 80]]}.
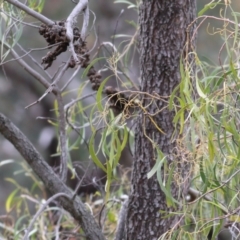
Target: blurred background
{"points": [[18, 89]]}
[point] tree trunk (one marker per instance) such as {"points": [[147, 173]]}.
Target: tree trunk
{"points": [[163, 40]]}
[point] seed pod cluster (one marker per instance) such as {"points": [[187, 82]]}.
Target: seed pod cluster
{"points": [[81, 50], [56, 34]]}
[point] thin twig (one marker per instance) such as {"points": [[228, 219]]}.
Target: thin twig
{"points": [[32, 72], [216, 188], [103, 207], [85, 23], [207, 17], [57, 227], [195, 193], [59, 75], [62, 137], [236, 211], [31, 12], [120, 231], [49, 90], [57, 71], [28, 52], [81, 181], [40, 210], [69, 105], [71, 78], [18, 20], [71, 21], [52, 87], [32, 58], [94, 20], [115, 29]]}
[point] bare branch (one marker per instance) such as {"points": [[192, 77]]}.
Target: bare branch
{"points": [[49, 90], [57, 227], [85, 23], [69, 105], [62, 137], [71, 20], [71, 78], [31, 71], [33, 59], [31, 12], [58, 75], [54, 184], [120, 232]]}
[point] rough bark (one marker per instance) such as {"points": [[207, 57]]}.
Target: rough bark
{"points": [[163, 40]]}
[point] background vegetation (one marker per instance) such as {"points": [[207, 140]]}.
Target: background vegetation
{"points": [[208, 116]]}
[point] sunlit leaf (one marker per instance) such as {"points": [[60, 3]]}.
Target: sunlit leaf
{"points": [[10, 200]]}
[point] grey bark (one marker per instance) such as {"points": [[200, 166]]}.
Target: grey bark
{"points": [[52, 182], [163, 40], [120, 231]]}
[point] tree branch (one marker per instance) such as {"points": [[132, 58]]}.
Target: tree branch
{"points": [[31, 12], [30, 70], [62, 138], [72, 19], [85, 23], [54, 184], [120, 232]]}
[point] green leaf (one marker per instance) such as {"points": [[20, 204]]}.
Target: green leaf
{"points": [[211, 148], [155, 168], [99, 94], [199, 91], [109, 179], [158, 169], [202, 174], [103, 144], [93, 155], [112, 217], [118, 150], [10, 199], [207, 7], [19, 222]]}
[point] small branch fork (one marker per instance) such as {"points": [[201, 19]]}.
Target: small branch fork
{"points": [[82, 6]]}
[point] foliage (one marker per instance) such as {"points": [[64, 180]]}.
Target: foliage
{"points": [[208, 115], [53, 221], [206, 104], [98, 118], [9, 25]]}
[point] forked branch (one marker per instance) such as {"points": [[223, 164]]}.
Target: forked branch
{"points": [[54, 184]]}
